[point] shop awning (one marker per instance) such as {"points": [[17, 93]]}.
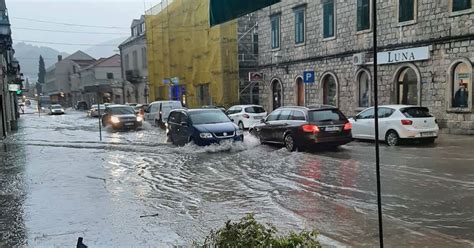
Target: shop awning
{"points": [[221, 11]]}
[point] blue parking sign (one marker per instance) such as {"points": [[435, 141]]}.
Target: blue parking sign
{"points": [[308, 77]]}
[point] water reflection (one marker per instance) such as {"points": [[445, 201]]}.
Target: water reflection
{"points": [[12, 196]]}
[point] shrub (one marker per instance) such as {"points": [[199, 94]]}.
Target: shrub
{"points": [[249, 233]]}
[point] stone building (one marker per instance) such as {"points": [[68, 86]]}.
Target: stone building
{"points": [[101, 82], [58, 84], [426, 55], [133, 52], [9, 76]]}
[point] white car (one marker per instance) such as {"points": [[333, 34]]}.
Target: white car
{"points": [[158, 112], [246, 116], [396, 122], [56, 109]]}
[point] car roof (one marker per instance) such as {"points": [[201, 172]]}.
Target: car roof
{"points": [[397, 106], [118, 106], [247, 105], [313, 107], [167, 101]]}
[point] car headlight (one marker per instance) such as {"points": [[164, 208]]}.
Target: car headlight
{"points": [[239, 132], [115, 120], [139, 118], [205, 135], [62, 110]]}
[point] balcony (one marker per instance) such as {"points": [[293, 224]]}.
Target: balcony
{"points": [[132, 76]]}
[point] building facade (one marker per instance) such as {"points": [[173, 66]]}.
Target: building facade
{"points": [[133, 52], [9, 75], [426, 54], [101, 82], [188, 60], [58, 84]]}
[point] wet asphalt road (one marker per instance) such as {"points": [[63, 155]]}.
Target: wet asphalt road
{"points": [[59, 182]]}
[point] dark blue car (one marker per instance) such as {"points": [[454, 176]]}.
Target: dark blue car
{"points": [[201, 126]]}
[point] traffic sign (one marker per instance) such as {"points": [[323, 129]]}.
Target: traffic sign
{"points": [[308, 77]]}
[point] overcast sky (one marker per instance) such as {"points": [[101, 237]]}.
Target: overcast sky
{"points": [[109, 13]]}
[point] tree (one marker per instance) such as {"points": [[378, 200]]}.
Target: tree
{"points": [[41, 70]]}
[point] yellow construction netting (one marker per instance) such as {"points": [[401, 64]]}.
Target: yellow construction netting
{"points": [[181, 44]]}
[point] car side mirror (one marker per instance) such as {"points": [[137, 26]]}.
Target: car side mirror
{"points": [[184, 124]]}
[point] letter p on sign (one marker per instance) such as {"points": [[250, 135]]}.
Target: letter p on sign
{"points": [[308, 77]]}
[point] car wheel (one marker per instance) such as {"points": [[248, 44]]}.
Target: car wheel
{"points": [[241, 126], [392, 138], [290, 143]]}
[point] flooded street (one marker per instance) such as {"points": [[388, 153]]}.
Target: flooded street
{"points": [[59, 182]]}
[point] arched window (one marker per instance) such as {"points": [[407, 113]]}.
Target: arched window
{"points": [[300, 93], [277, 93], [363, 83], [408, 87], [329, 90], [461, 82]]}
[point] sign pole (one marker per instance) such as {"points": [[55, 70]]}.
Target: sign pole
{"points": [[376, 107], [100, 117]]}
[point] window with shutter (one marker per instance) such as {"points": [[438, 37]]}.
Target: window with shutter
{"points": [[459, 5], [275, 25], [328, 19], [363, 15], [406, 10], [299, 26]]}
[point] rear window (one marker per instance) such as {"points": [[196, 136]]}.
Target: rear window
{"points": [[254, 110], [325, 115], [416, 112]]}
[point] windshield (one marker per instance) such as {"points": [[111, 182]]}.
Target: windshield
{"points": [[325, 115], [208, 117], [56, 106], [254, 110], [122, 110], [416, 112]]}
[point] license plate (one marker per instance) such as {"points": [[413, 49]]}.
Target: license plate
{"points": [[332, 129], [427, 134], [129, 124]]}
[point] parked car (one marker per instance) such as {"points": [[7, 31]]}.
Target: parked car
{"points": [[158, 112], [81, 105], [121, 117], [304, 128], [94, 111], [56, 109], [396, 123], [201, 126], [246, 116]]}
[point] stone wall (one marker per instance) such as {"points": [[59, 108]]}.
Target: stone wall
{"points": [[450, 37]]}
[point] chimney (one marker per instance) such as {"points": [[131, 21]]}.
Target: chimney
{"points": [[60, 57]]}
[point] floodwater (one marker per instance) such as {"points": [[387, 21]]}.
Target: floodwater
{"points": [[58, 182]]}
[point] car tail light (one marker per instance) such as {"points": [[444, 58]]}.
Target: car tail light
{"points": [[407, 122], [246, 116], [310, 128], [347, 126]]}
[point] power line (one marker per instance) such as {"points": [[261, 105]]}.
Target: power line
{"points": [[66, 44], [67, 31], [67, 24]]}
